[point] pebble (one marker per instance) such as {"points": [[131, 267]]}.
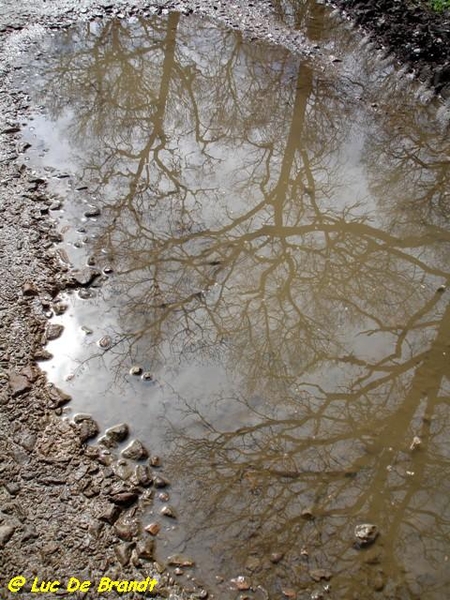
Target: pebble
{"points": [[276, 557], [365, 534], [29, 289], [159, 482], [92, 211], [168, 511], [87, 428], [105, 342], [145, 549], [6, 532], [87, 330], [115, 435], [135, 451], [135, 370], [241, 583], [153, 528], [54, 331], [178, 560], [319, 574], [85, 276], [147, 376]]}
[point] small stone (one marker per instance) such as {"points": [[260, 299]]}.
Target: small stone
{"points": [[252, 564], [124, 498], [109, 513], [378, 582], [53, 332], [108, 270], [178, 560], [159, 482], [163, 497], [42, 354], [59, 308], [115, 435], [135, 451], [147, 376], [145, 549], [6, 532], [87, 429], [319, 574], [441, 289], [241, 583], [307, 514], [155, 461], [365, 534], [86, 294], [19, 384], [29, 289], [289, 593], [276, 557], [85, 277], [178, 571], [153, 528], [168, 511], [87, 330], [92, 211], [143, 476], [123, 553], [56, 397], [56, 205], [105, 342], [415, 443], [124, 531], [135, 370], [91, 261]]}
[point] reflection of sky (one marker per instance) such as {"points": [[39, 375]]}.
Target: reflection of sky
{"points": [[240, 355]]}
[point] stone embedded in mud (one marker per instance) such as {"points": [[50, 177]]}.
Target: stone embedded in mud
{"points": [[135, 370], [86, 428], [135, 451], [145, 549], [85, 277], [92, 211], [125, 531], [19, 384], [6, 532], [29, 289], [124, 498], [365, 534], [123, 553], [109, 513], [160, 482], [319, 574], [143, 476], [56, 397], [153, 528], [241, 583], [276, 557], [115, 435], [155, 461], [168, 511], [179, 560], [59, 308], [105, 342], [42, 354], [53, 332], [147, 376]]}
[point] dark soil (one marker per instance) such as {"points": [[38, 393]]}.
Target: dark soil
{"points": [[418, 36]]}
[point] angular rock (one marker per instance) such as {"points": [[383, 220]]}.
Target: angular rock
{"points": [[319, 574], [109, 513], [123, 553], [365, 534], [19, 384], [115, 435], [53, 332], [29, 289], [145, 549], [6, 532], [178, 560], [153, 528], [87, 429], [135, 451]]}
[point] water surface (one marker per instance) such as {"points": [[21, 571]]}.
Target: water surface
{"points": [[279, 242]]}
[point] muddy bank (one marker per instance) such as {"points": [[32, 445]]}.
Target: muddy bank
{"points": [[418, 36]]}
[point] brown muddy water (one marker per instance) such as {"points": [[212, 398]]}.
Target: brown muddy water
{"points": [[279, 243]]}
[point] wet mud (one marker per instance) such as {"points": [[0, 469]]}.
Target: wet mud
{"points": [[417, 35], [286, 355]]}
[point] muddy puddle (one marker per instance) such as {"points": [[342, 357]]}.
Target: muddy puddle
{"points": [[272, 251]]}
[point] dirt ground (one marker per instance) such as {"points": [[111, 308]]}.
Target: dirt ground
{"points": [[67, 509]]}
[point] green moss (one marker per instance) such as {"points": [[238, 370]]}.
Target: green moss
{"points": [[440, 5]]}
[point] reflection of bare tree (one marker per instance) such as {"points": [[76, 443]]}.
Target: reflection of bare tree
{"points": [[238, 237]]}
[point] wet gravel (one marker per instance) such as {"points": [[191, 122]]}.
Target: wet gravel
{"points": [[66, 510]]}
